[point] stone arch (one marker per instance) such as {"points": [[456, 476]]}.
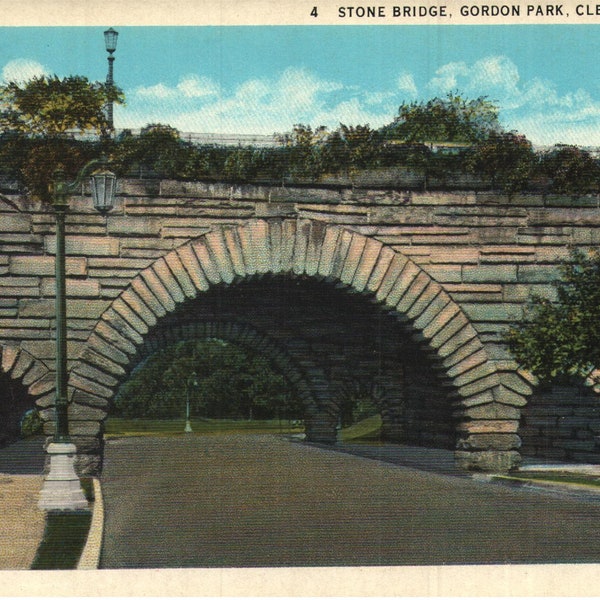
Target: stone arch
{"points": [[486, 400], [320, 416], [36, 379]]}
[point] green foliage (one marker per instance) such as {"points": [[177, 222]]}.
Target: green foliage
{"points": [[449, 119], [31, 424], [36, 119], [571, 170], [50, 106], [505, 159], [232, 383], [561, 339]]}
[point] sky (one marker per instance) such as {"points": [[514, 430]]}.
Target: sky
{"points": [[545, 79]]}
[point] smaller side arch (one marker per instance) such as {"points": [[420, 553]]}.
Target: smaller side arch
{"points": [[36, 379], [320, 413]]}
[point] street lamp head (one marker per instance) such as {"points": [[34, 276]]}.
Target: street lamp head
{"points": [[110, 40], [104, 187]]}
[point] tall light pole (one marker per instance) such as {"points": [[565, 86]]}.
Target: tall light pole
{"points": [[191, 382], [62, 488], [110, 41]]}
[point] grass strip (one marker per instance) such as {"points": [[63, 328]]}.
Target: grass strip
{"points": [[124, 427], [65, 535]]}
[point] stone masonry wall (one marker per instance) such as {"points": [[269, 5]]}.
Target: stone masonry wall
{"points": [[488, 252]]}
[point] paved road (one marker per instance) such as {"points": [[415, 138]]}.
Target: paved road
{"points": [[264, 501]]}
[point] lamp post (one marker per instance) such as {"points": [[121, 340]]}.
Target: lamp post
{"points": [[110, 41], [191, 382], [62, 488]]}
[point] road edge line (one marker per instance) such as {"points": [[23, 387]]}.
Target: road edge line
{"points": [[90, 557]]}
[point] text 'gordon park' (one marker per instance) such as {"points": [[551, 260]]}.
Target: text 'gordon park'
{"points": [[415, 11]]}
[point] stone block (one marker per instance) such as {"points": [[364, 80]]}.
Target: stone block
{"points": [[102, 362], [220, 255], [489, 461], [440, 320], [537, 273], [339, 256], [486, 441], [419, 286], [120, 324], [479, 386], [132, 318], [232, 245], [316, 239], [189, 260], [462, 353], [494, 312], [75, 288], [516, 383], [130, 227], [85, 246], [108, 350], [93, 388], [445, 273], [43, 385], [352, 260], [459, 339], [86, 309], [490, 273], [20, 223], [44, 265], [109, 332], [156, 286], [141, 289], [504, 395], [455, 256], [438, 304], [397, 280], [382, 264]]}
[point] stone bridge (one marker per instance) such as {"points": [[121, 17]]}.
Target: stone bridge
{"points": [[403, 297]]}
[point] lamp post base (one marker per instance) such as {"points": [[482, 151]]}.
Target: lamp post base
{"points": [[62, 488], [188, 427]]}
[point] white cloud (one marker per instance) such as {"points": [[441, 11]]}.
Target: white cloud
{"points": [[406, 85], [534, 107], [22, 69]]}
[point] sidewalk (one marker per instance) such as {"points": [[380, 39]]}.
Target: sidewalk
{"points": [[21, 521]]}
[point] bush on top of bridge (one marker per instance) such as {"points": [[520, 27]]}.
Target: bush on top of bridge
{"points": [[444, 142]]}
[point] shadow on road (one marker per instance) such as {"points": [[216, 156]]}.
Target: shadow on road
{"points": [[25, 457]]}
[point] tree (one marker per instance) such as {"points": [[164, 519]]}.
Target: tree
{"points": [[233, 383], [571, 170], [49, 106], [40, 114], [351, 148], [562, 338], [449, 119], [505, 159]]}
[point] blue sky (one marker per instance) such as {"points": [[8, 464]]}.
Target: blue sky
{"points": [[264, 79]]}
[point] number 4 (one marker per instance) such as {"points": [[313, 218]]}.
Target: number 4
{"points": [[313, 12]]}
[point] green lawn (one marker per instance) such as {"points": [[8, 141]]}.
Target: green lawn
{"points": [[555, 477], [116, 427], [368, 429]]}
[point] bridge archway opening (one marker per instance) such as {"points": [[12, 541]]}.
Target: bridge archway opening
{"points": [[26, 389], [344, 306], [216, 369]]}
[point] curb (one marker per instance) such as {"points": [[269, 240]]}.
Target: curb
{"points": [[90, 557], [542, 484]]}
